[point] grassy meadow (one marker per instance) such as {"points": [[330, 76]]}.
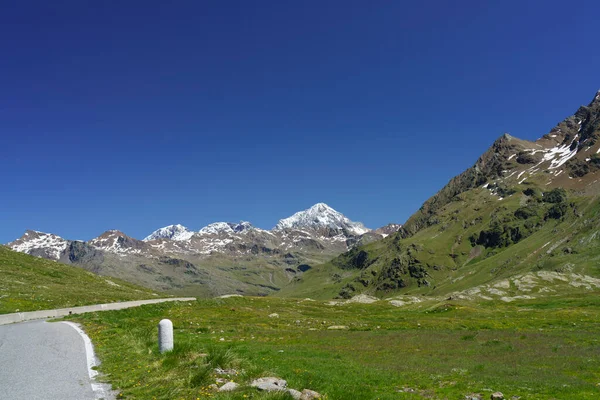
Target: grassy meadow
{"points": [[536, 349]]}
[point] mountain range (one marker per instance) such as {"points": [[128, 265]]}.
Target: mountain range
{"points": [[219, 258], [523, 222]]}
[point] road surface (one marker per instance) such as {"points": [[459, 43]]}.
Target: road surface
{"points": [[42, 360], [45, 361]]}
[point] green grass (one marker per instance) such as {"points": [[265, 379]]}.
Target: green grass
{"points": [[538, 349], [29, 283]]}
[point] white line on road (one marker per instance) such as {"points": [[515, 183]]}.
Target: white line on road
{"points": [[100, 390]]}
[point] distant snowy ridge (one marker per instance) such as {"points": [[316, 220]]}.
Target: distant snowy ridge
{"points": [[181, 233], [321, 216], [318, 229], [318, 216]]}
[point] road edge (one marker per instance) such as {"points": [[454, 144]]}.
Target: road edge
{"points": [[62, 312]]}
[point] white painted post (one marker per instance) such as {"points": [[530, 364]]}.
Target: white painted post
{"points": [[165, 335]]}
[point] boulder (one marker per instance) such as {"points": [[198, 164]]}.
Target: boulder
{"points": [[308, 394], [269, 384], [228, 387], [337, 327], [295, 394], [274, 315], [497, 396]]}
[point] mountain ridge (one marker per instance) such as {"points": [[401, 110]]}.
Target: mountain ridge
{"points": [[230, 247], [319, 216], [495, 160]]}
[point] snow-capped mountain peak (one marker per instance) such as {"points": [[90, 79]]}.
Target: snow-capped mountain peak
{"points": [[34, 242], [173, 232], [321, 216]]}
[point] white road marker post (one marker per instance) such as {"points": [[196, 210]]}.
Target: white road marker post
{"points": [[165, 335]]}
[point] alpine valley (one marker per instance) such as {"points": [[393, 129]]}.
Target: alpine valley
{"points": [[522, 223], [221, 258]]}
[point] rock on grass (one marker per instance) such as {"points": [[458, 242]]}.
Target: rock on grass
{"points": [[228, 387], [308, 394], [269, 384]]}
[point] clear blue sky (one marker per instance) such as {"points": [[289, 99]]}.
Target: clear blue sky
{"points": [[135, 115]]}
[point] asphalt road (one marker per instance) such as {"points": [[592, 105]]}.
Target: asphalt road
{"points": [[41, 360], [61, 312]]}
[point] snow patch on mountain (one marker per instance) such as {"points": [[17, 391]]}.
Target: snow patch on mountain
{"points": [[560, 155], [173, 232], [225, 227], [210, 245], [321, 216]]}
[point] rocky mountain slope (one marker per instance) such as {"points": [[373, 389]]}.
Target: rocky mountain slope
{"points": [[524, 215], [220, 258]]}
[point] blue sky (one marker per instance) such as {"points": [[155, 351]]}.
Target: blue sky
{"points": [[135, 115]]}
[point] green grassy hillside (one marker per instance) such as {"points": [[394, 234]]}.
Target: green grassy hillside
{"points": [[29, 283]]}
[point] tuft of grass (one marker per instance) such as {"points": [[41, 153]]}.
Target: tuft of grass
{"points": [[219, 357], [201, 376]]}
